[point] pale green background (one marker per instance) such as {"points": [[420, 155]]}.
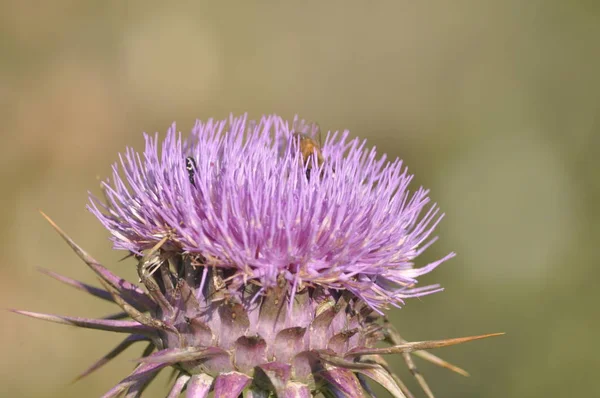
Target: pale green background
{"points": [[494, 105]]}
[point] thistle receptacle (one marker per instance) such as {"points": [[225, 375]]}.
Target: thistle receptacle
{"points": [[262, 278]]}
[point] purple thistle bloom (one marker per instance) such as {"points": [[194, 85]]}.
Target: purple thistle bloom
{"points": [[250, 208], [267, 262]]}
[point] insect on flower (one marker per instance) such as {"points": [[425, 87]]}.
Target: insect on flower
{"points": [[151, 261], [190, 165], [309, 148]]}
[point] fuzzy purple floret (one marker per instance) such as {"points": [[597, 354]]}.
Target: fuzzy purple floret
{"points": [[250, 207]]}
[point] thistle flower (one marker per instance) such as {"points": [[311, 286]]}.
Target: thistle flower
{"points": [[267, 260]]}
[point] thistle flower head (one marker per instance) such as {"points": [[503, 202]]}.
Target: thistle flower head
{"points": [[237, 193], [267, 261]]}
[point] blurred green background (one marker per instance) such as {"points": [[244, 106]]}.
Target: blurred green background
{"points": [[493, 105]]}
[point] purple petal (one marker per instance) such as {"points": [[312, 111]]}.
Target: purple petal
{"points": [[230, 385], [178, 386], [249, 351], [288, 343], [218, 362], [234, 324], [138, 387], [255, 392], [172, 356], [140, 375], [339, 342], [273, 312], [305, 364], [197, 333], [199, 386], [296, 390], [382, 377], [277, 375], [342, 381], [320, 330]]}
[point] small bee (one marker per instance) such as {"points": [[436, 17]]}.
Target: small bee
{"points": [[152, 259], [308, 146], [190, 165]]}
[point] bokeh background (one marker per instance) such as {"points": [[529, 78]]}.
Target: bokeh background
{"points": [[494, 105]]}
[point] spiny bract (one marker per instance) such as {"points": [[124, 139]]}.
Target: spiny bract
{"points": [[261, 277]]}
